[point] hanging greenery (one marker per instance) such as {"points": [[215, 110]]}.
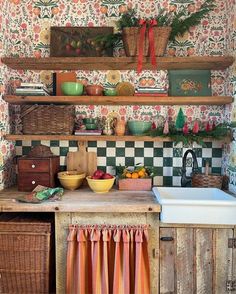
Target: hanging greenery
{"points": [[220, 131]]}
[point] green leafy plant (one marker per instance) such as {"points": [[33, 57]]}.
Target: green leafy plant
{"points": [[180, 21]]}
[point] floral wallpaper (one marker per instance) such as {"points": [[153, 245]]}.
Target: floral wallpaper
{"points": [[25, 32]]}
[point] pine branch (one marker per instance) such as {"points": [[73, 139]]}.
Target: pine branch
{"points": [[180, 24]]}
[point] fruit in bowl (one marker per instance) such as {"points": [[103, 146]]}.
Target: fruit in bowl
{"points": [[100, 182], [71, 180]]}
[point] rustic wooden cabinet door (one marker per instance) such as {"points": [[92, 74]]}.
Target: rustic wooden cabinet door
{"points": [[195, 260]]}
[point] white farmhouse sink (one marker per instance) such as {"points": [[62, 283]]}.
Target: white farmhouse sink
{"points": [[196, 205]]}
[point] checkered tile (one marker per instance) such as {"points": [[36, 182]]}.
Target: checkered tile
{"points": [[165, 157]]}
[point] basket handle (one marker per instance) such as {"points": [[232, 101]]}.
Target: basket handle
{"points": [[28, 110], [207, 168]]}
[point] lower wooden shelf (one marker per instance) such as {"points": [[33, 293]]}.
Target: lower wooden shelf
{"points": [[95, 138]]}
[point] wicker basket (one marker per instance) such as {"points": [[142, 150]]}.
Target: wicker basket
{"points": [[207, 181], [47, 119], [131, 40], [25, 261]]}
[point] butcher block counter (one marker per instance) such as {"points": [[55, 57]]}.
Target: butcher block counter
{"points": [[84, 200]]}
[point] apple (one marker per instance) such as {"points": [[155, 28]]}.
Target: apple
{"points": [[107, 176], [98, 174], [68, 47], [77, 51], [95, 178]]}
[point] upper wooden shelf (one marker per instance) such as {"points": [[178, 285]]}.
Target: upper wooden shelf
{"points": [[97, 138], [120, 100], [121, 63]]}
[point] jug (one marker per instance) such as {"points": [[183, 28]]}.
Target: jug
{"points": [[119, 125]]}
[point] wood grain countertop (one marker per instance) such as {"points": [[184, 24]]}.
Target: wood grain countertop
{"points": [[84, 200]]}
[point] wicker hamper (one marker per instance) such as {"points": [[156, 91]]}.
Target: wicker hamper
{"points": [[25, 255], [47, 119]]}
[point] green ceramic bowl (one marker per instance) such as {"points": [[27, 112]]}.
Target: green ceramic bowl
{"points": [[110, 92], [72, 88], [89, 120], [138, 127], [90, 126]]}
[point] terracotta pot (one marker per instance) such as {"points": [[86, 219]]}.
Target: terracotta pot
{"points": [[94, 90]]}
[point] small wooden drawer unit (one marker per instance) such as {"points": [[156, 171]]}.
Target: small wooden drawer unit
{"points": [[37, 171]]}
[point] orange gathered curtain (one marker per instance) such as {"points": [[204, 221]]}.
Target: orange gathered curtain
{"points": [[108, 260]]}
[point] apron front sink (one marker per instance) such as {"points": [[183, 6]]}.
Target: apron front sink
{"points": [[196, 205]]}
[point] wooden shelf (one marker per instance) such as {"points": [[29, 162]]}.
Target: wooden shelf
{"points": [[120, 63], [120, 100], [95, 138]]}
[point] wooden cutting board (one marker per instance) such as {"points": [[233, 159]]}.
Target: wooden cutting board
{"points": [[82, 161]]}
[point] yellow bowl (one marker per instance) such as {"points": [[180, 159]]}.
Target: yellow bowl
{"points": [[71, 180], [100, 185]]}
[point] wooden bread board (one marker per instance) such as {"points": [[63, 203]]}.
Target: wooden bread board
{"points": [[82, 161]]}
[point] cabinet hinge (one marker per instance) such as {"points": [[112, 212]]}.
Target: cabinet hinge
{"points": [[232, 243], [231, 285]]}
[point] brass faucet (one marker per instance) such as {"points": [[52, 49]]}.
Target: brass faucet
{"points": [[186, 181]]}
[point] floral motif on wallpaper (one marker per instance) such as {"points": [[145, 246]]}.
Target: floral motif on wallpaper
{"points": [[26, 26]]}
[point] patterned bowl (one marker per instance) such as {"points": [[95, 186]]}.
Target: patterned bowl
{"points": [[137, 127]]}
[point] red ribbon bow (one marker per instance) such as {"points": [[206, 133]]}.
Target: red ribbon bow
{"points": [[152, 23], [143, 24]]}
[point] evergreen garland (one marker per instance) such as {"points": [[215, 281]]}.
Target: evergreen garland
{"points": [[182, 22], [221, 131]]}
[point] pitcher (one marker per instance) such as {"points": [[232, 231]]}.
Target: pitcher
{"points": [[119, 127]]}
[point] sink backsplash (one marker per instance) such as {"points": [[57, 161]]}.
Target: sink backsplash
{"points": [[164, 156]]}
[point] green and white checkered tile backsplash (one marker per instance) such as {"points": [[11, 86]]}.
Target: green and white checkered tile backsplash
{"points": [[165, 157]]}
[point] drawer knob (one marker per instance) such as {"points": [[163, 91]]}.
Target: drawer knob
{"points": [[33, 182], [33, 165]]}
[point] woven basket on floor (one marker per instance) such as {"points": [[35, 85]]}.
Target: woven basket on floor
{"points": [[25, 250], [47, 119], [131, 40]]}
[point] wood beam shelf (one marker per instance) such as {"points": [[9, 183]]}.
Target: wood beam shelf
{"points": [[96, 138], [120, 100], [119, 63]]}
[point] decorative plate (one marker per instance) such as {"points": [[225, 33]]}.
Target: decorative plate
{"points": [[125, 89]]}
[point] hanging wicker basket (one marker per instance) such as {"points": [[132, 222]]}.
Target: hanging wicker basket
{"points": [[47, 119], [130, 36]]}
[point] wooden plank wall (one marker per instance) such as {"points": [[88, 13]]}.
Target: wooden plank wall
{"points": [[198, 260]]}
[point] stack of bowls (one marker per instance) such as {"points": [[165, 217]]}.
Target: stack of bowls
{"points": [[90, 123]]}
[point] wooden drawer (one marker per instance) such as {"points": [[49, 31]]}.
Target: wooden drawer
{"points": [[33, 165], [28, 181]]}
